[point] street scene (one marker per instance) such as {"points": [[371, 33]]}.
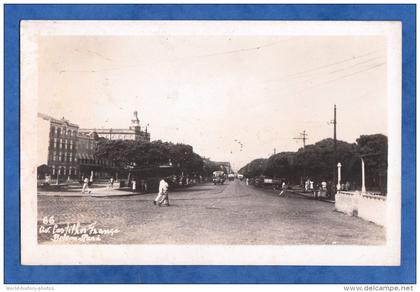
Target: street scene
{"points": [[232, 213], [226, 139]]}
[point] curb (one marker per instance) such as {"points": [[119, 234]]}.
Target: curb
{"points": [[311, 197]]}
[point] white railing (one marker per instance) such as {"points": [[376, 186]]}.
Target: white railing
{"points": [[368, 206]]}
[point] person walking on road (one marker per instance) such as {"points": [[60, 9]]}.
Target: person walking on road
{"points": [[162, 196], [283, 189], [85, 185]]}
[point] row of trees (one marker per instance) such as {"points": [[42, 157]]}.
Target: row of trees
{"points": [[317, 162], [127, 153]]}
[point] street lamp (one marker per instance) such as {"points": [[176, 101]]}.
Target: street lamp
{"points": [[363, 176], [339, 176]]}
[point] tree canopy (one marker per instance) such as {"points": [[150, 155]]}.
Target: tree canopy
{"points": [[255, 168], [281, 165], [317, 162], [374, 151], [149, 154]]}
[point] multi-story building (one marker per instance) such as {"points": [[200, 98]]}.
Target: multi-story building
{"points": [[71, 151], [134, 132], [89, 164], [62, 147]]}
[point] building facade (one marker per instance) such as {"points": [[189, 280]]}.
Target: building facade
{"points": [[89, 165], [71, 151], [62, 148], [134, 132]]}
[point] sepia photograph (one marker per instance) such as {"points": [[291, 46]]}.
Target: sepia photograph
{"points": [[198, 142]]}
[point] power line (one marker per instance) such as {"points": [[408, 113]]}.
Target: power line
{"points": [[302, 136], [314, 69]]}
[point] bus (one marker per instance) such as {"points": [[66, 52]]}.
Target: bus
{"points": [[219, 177]]}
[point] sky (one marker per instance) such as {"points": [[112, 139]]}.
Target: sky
{"points": [[233, 98]]}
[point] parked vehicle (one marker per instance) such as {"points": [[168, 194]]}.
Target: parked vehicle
{"points": [[275, 183]]}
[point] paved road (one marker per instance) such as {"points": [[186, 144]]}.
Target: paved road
{"points": [[206, 214]]}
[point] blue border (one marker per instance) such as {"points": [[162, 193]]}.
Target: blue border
{"points": [[18, 274]]}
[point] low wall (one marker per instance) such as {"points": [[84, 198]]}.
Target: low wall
{"points": [[372, 208], [346, 203], [366, 206]]}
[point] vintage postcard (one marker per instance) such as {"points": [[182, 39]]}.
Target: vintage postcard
{"points": [[210, 142]]}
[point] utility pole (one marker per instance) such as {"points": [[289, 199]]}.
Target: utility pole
{"points": [[274, 151], [334, 122], [303, 136]]}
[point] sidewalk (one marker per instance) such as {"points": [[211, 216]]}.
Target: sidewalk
{"points": [[95, 192]]}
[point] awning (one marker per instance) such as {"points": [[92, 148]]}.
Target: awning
{"points": [[85, 156]]}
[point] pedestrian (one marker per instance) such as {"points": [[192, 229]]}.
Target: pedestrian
{"points": [[347, 186], [315, 190], [247, 181], [283, 189], [85, 186], [307, 182], [163, 193], [111, 182], [323, 189], [133, 185]]}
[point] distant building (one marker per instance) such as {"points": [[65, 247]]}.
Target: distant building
{"points": [[69, 152], [226, 165], [134, 132]]}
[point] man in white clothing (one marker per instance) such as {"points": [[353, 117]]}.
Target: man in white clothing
{"points": [[85, 185], [162, 196]]}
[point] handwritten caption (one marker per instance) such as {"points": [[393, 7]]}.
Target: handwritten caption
{"points": [[73, 232]]}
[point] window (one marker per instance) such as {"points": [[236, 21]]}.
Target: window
{"points": [[53, 169]]}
